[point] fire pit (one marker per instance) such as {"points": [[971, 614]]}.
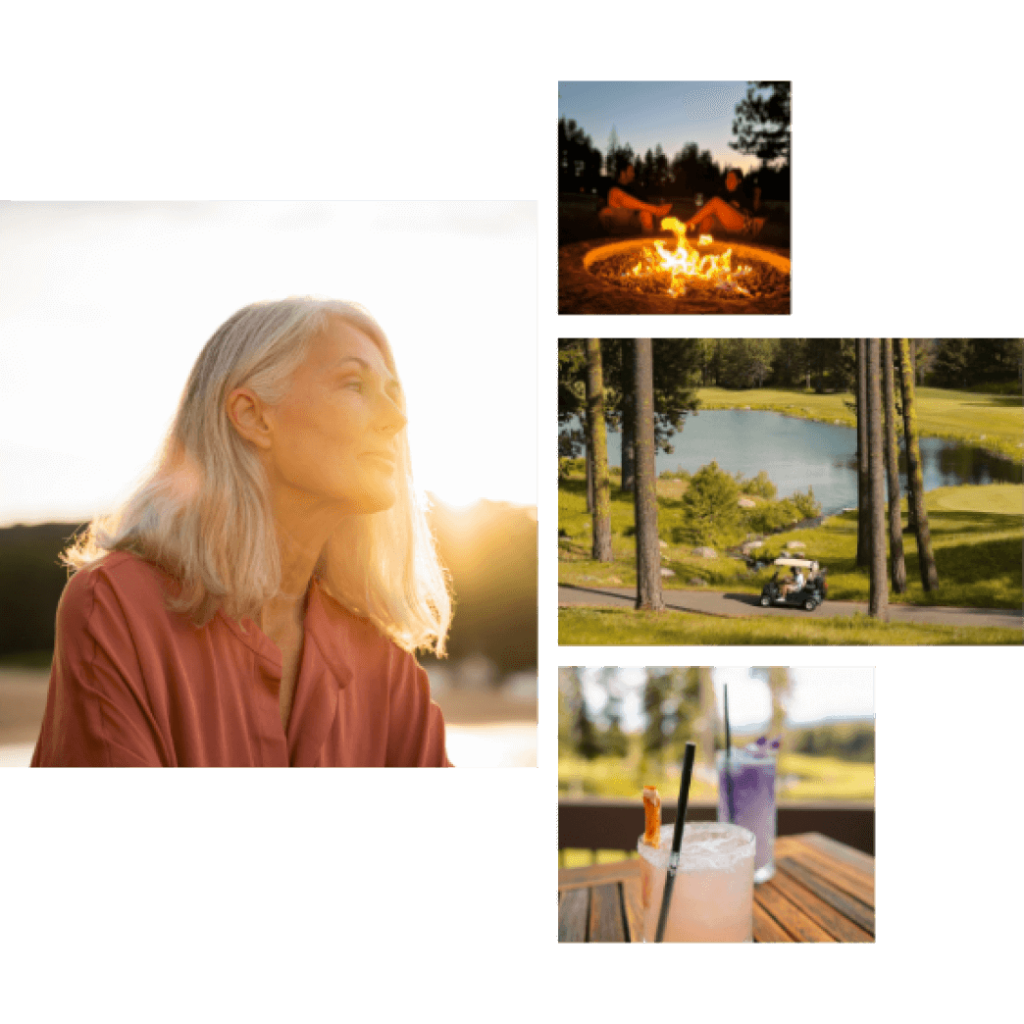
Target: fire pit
{"points": [[672, 275]]}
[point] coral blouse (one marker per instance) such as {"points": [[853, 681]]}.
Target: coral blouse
{"points": [[135, 684]]}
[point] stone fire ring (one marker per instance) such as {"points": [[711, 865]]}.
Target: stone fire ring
{"points": [[580, 291]]}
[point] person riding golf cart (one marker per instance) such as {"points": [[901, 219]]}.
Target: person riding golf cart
{"points": [[805, 587]]}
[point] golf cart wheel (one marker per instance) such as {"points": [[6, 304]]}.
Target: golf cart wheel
{"points": [[765, 600], [810, 604]]}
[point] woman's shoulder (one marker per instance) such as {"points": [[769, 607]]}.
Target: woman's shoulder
{"points": [[138, 586]]}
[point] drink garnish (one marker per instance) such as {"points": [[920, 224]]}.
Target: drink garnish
{"points": [[652, 817]]}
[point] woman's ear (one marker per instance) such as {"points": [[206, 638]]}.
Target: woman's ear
{"points": [[245, 411]]}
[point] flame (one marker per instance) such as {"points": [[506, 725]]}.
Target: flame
{"points": [[685, 264]]}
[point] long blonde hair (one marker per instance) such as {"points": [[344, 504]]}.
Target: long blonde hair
{"points": [[204, 515]]}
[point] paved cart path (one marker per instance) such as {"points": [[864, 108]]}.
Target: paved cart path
{"points": [[738, 605]]}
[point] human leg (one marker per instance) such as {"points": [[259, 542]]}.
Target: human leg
{"points": [[618, 221], [717, 212]]}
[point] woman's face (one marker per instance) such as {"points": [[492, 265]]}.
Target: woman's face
{"points": [[334, 437]]}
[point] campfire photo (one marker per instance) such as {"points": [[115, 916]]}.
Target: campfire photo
{"points": [[706, 231]]}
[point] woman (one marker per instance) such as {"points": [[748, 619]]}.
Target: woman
{"points": [[257, 601]]}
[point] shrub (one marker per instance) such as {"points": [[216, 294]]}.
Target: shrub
{"points": [[709, 506], [760, 485], [806, 504]]}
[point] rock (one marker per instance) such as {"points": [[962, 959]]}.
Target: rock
{"points": [[796, 545], [704, 553], [751, 545], [613, 581], [667, 573], [747, 503], [662, 544], [695, 582]]}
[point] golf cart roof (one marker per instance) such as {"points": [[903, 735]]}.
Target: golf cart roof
{"points": [[803, 563]]}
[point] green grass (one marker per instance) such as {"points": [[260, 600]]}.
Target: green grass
{"points": [[992, 422], [816, 778], [995, 499], [977, 536], [613, 626]]}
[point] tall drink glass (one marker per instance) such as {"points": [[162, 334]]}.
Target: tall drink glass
{"points": [[750, 783], [713, 895]]}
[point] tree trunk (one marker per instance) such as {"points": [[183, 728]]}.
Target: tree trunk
{"points": [[588, 464], [707, 717], [911, 511], [915, 481], [878, 604], [602, 521], [863, 483], [628, 443], [781, 687], [897, 564], [648, 550], [629, 452]]}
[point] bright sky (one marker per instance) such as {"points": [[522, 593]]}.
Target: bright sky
{"points": [[817, 694], [105, 306], [646, 113]]}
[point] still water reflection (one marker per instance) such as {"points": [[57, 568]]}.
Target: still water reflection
{"points": [[798, 454]]}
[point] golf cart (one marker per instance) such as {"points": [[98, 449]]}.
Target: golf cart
{"points": [[809, 596]]}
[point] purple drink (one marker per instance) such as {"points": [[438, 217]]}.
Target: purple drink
{"points": [[750, 786]]}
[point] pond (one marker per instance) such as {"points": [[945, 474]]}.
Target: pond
{"points": [[798, 454]]}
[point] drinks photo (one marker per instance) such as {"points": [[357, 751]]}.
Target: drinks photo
{"points": [[771, 837]]}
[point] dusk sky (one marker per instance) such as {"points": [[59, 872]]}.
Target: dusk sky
{"points": [[646, 113]]}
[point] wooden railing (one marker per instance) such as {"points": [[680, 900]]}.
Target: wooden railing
{"points": [[617, 824]]}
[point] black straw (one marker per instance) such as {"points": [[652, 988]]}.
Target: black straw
{"points": [[728, 764], [677, 838]]}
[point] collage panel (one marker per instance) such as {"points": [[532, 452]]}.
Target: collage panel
{"points": [[716, 804], [695, 219], [790, 491]]}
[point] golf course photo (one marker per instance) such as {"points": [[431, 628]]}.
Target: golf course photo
{"points": [[755, 484]]}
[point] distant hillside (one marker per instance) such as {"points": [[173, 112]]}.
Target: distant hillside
{"points": [[490, 550]]}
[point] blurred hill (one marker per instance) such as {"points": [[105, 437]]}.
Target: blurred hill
{"points": [[490, 548]]}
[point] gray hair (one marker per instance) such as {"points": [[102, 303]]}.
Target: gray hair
{"points": [[204, 514]]}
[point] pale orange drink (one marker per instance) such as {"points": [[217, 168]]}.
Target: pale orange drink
{"points": [[713, 896]]}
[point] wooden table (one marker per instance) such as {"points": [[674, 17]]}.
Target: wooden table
{"points": [[823, 891]]}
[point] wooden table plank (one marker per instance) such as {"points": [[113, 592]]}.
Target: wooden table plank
{"points": [[766, 928], [848, 879], [606, 922], [822, 891], [597, 874], [772, 898], [573, 908], [852, 910], [816, 911], [840, 851]]}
